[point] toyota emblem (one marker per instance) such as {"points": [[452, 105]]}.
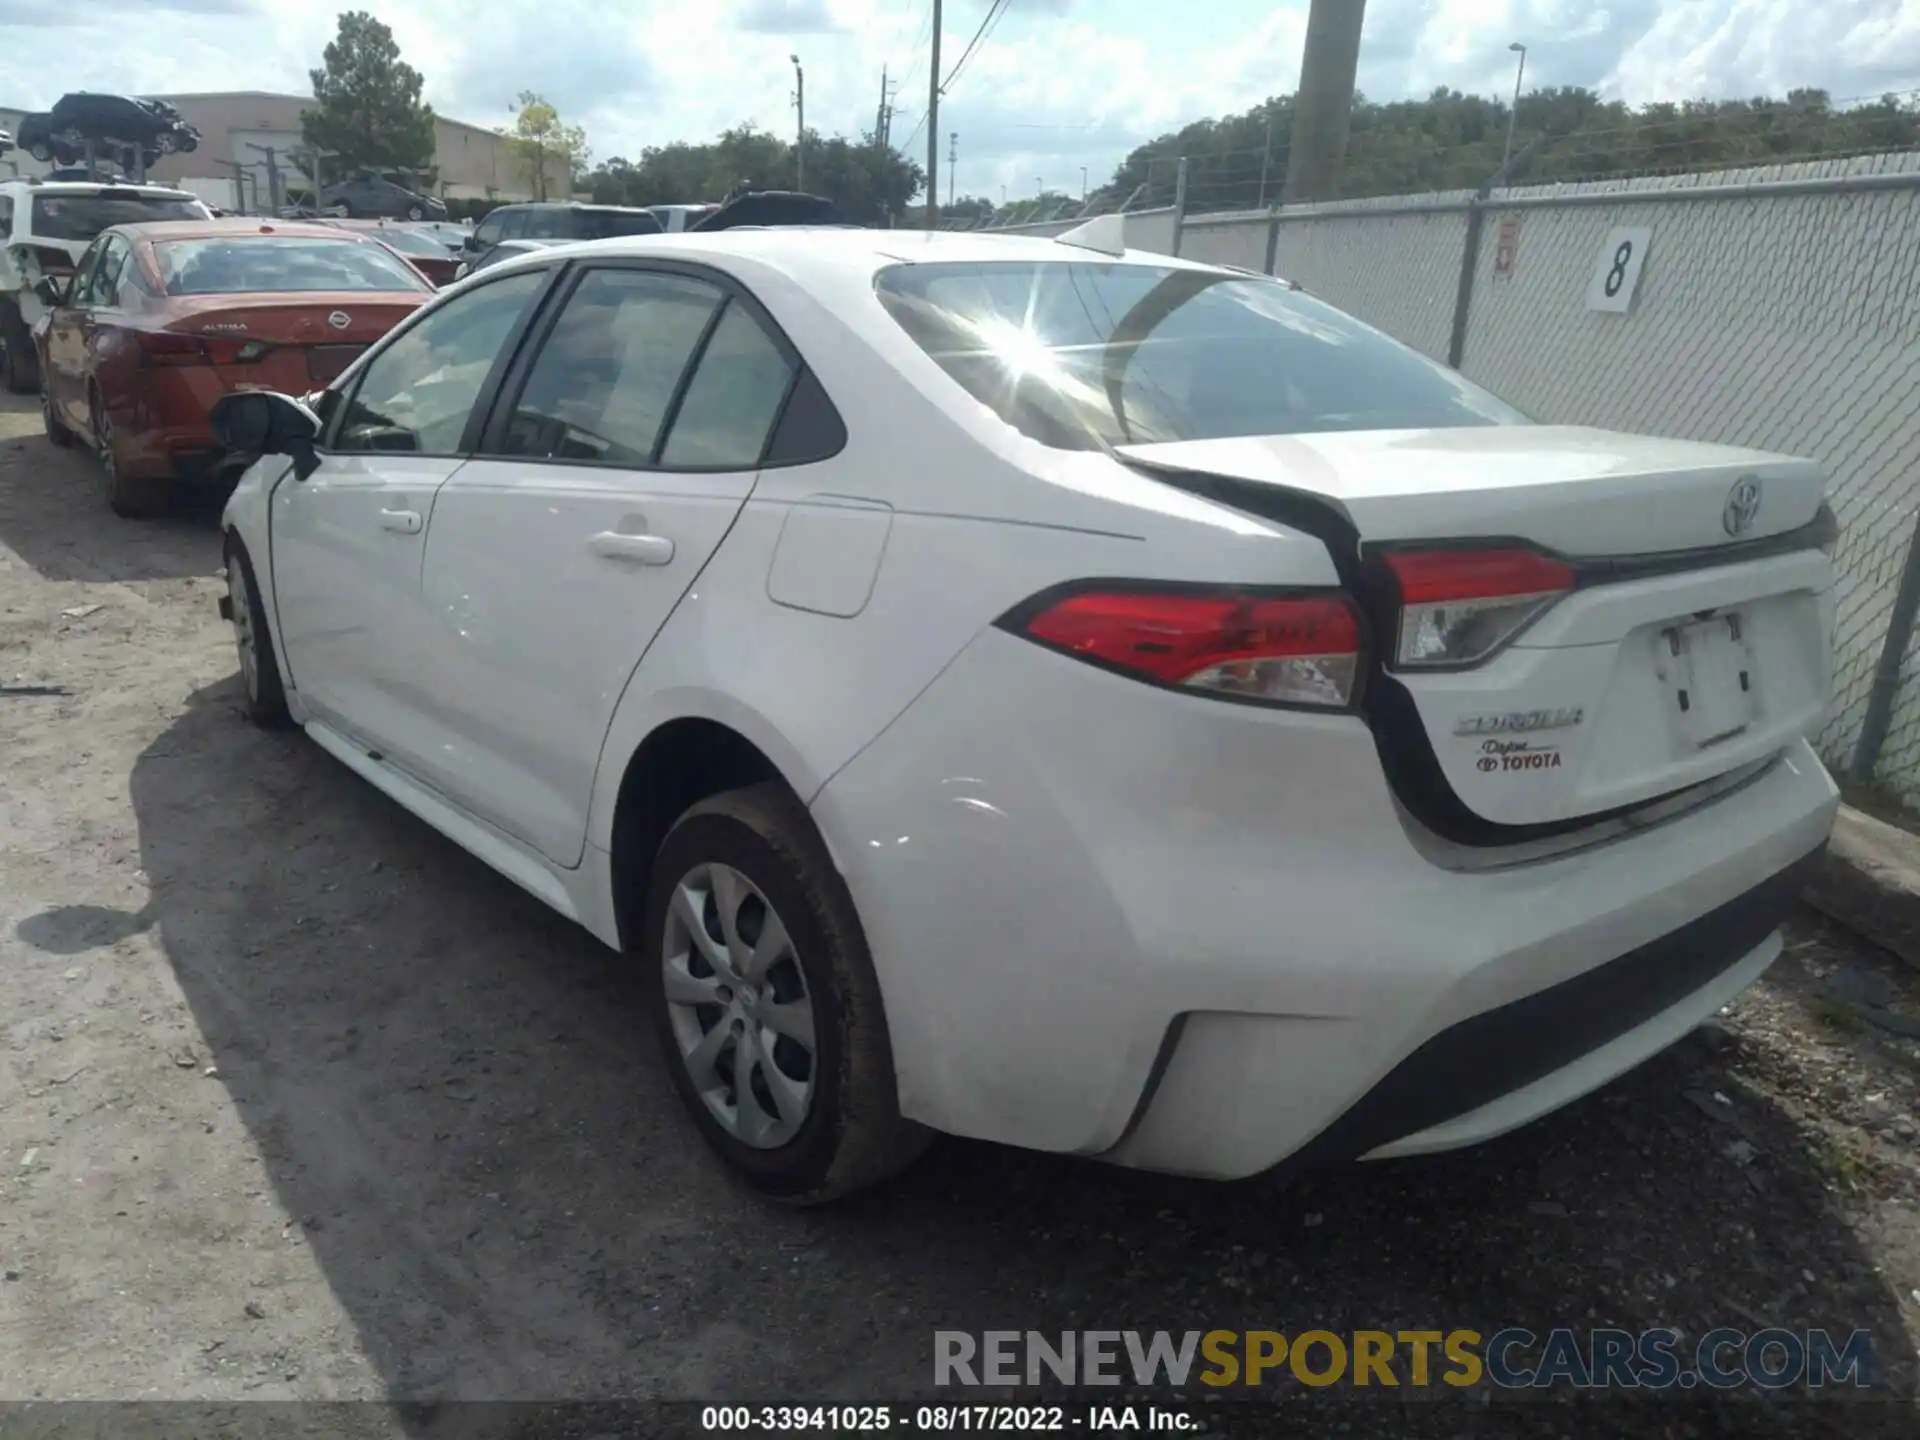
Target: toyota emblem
{"points": [[1743, 506], [339, 320]]}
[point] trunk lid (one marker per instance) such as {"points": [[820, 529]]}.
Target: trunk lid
{"points": [[1573, 490], [290, 342], [1687, 647]]}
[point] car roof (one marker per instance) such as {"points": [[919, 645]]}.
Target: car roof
{"points": [[835, 251], [94, 187], [573, 205], [234, 227]]}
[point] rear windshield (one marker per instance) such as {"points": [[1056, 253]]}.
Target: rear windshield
{"points": [[81, 217], [1134, 354], [606, 224], [243, 264], [412, 242]]}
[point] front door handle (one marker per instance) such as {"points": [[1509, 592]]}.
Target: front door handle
{"points": [[407, 522], [644, 549]]}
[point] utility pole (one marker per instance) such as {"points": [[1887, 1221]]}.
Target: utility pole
{"points": [[1266, 159], [800, 130], [1323, 108], [273, 176], [1513, 115], [880, 115], [933, 126], [953, 163]]}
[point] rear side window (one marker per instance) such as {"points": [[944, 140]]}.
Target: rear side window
{"points": [[601, 389], [105, 287], [606, 224], [81, 217], [733, 399], [1065, 351]]}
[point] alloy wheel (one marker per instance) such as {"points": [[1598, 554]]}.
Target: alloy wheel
{"points": [[103, 444], [240, 602], [739, 1006]]}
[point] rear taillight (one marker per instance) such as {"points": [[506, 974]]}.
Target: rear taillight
{"points": [[1826, 529], [168, 347], [164, 347], [1458, 607], [1281, 649]]}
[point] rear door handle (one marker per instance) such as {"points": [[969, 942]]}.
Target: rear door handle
{"points": [[407, 522], [644, 549]]}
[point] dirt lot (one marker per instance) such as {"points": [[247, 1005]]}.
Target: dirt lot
{"points": [[299, 1101]]}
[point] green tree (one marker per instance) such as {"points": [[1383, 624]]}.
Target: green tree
{"points": [[367, 106], [870, 183], [1454, 141], [550, 151]]}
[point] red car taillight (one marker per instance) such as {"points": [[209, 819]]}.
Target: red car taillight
{"points": [[1458, 607], [168, 347], [1299, 649]]}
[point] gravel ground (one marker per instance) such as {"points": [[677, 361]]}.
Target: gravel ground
{"points": [[300, 1102]]}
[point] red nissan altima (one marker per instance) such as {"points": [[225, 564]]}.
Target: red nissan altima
{"points": [[160, 320]]}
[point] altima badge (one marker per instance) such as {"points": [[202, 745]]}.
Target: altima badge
{"points": [[1743, 506], [1520, 722], [339, 319]]}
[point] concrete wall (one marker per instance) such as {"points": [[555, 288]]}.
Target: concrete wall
{"points": [[1783, 320]]}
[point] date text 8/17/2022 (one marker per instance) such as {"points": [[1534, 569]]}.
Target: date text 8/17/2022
{"points": [[943, 1419]]}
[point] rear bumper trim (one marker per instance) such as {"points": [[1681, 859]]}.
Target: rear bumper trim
{"points": [[1489, 1055]]}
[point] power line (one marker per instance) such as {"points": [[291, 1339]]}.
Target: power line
{"points": [[994, 12]]}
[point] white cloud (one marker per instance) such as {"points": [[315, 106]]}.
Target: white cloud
{"points": [[1061, 84]]}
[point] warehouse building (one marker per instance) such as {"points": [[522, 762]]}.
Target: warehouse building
{"points": [[246, 135]]}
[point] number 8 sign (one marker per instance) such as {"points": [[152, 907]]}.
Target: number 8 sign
{"points": [[1616, 273]]}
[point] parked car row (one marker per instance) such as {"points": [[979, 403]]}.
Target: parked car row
{"points": [[1128, 708], [138, 310], [160, 319], [516, 229]]}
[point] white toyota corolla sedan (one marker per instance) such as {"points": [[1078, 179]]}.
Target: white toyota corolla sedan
{"points": [[1078, 698]]}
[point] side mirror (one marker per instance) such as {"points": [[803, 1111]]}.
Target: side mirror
{"points": [[50, 290], [259, 422]]}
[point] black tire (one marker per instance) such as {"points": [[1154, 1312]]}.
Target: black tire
{"points": [[19, 365], [266, 697], [129, 498], [57, 432], [853, 1135]]}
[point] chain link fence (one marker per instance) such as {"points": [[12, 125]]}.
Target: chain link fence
{"points": [[1775, 307]]}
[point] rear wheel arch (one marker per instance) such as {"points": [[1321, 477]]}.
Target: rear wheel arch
{"points": [[680, 763]]}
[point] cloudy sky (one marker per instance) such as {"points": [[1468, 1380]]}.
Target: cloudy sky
{"points": [[1059, 85]]}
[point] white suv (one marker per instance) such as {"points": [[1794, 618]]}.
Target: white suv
{"points": [[45, 227]]}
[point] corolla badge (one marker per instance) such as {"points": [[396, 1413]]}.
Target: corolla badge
{"points": [[339, 319], [1743, 506], [1519, 722]]}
